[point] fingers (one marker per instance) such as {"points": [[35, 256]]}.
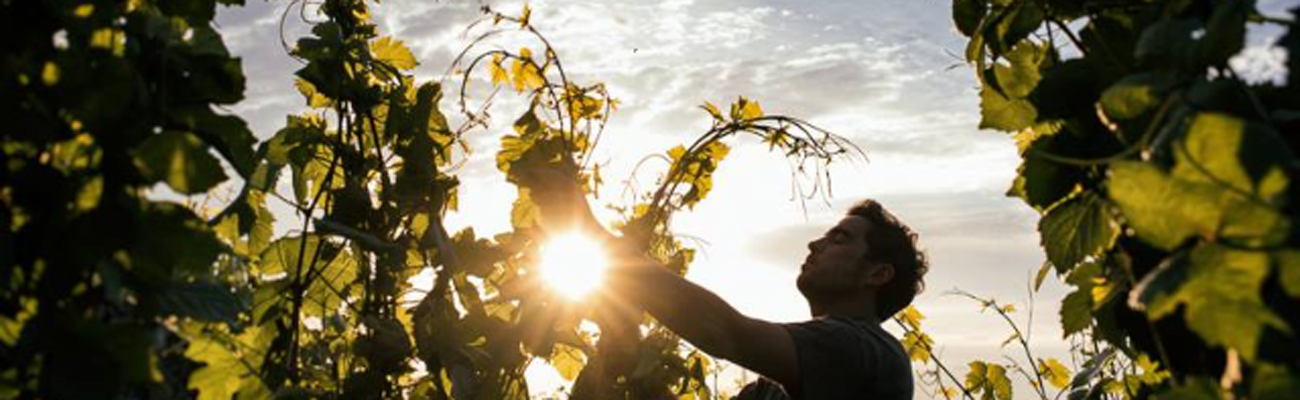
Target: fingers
{"points": [[563, 204]]}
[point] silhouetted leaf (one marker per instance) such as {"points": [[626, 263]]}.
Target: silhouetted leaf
{"points": [[181, 160]]}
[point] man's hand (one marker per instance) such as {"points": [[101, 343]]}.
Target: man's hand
{"points": [[564, 206]]}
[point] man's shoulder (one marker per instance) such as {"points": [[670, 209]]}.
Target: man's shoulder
{"points": [[841, 357]]}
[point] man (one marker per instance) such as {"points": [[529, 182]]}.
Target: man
{"points": [[859, 273]]}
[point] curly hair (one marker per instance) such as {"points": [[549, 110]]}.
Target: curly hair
{"points": [[891, 242]]}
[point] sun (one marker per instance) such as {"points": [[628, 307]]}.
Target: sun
{"points": [[574, 265]]}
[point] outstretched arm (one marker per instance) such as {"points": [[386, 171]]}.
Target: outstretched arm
{"points": [[706, 320], [691, 311]]}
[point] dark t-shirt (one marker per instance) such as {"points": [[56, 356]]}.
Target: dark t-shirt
{"points": [[841, 359]]}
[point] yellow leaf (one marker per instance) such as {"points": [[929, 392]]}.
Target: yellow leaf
{"points": [[718, 151], [84, 10], [314, 98], [918, 345], [525, 73], [50, 73], [949, 393], [676, 153], [523, 18], [109, 39], [568, 361], [1009, 308], [776, 139], [498, 72], [751, 110], [713, 110], [911, 317], [1056, 373], [393, 52]]}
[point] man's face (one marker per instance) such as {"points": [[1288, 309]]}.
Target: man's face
{"points": [[834, 266]]}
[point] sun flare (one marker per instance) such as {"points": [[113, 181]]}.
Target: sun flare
{"points": [[573, 265]]}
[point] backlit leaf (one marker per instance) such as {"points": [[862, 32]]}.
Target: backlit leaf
{"points": [[1246, 156], [1076, 230], [567, 361], [1056, 373], [997, 111], [1222, 299], [1131, 97], [1164, 211], [918, 345], [497, 71], [712, 110], [393, 52], [181, 160], [524, 73]]}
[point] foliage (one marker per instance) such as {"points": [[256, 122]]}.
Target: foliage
{"points": [[1164, 180], [110, 292], [105, 100], [988, 379]]}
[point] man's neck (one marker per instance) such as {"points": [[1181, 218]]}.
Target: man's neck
{"points": [[849, 307]]}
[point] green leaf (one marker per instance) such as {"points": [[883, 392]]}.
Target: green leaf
{"points": [[1157, 292], [1076, 312], [1003, 102], [1067, 89], [227, 134], [1245, 162], [1168, 42], [1000, 112], [1132, 96], [1164, 211], [1288, 270], [203, 301], [1222, 297], [226, 371], [1225, 32], [393, 52], [1245, 156], [329, 281], [181, 160], [1041, 275], [1014, 24], [1273, 382], [967, 15], [174, 245], [1041, 182], [1076, 230], [1022, 76]]}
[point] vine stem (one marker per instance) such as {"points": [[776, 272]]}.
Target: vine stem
{"points": [[1155, 335], [298, 285], [1020, 337], [1127, 152], [929, 350], [1070, 34]]}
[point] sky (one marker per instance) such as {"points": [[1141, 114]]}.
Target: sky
{"points": [[883, 73]]}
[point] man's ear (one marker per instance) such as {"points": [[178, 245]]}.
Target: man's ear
{"points": [[880, 274]]}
